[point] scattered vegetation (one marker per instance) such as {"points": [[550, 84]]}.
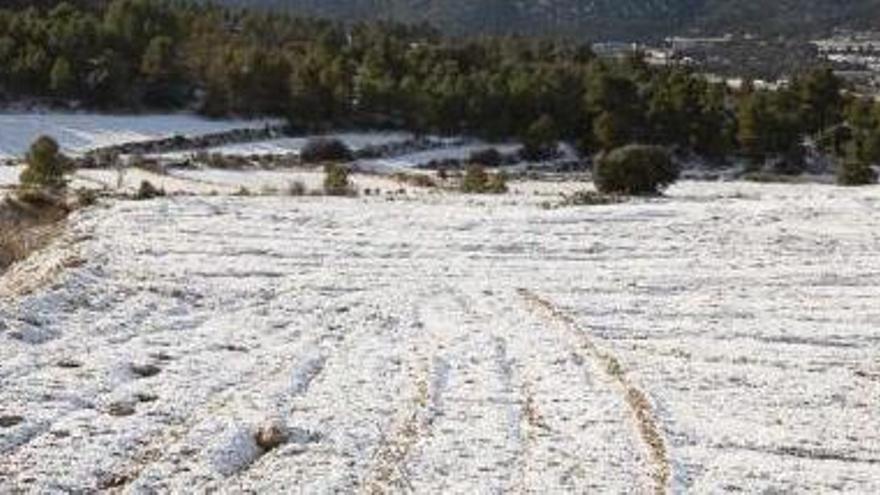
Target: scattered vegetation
{"points": [[590, 198], [635, 170], [477, 181], [415, 179], [86, 197], [854, 172], [28, 221], [336, 180]]}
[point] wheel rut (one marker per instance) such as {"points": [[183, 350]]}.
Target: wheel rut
{"points": [[640, 406]]}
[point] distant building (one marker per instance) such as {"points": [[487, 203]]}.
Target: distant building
{"points": [[614, 49]]}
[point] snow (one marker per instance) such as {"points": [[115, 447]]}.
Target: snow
{"points": [[453, 344], [79, 132], [9, 175]]}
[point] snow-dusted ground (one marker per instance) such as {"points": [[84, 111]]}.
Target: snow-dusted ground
{"points": [[452, 344], [9, 176], [79, 132]]}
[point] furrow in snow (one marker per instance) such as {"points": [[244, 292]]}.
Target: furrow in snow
{"points": [[640, 406]]}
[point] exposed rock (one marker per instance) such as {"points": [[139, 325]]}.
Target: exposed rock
{"points": [[121, 409], [271, 435], [68, 363]]}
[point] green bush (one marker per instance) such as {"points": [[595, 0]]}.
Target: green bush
{"points": [[497, 184], [336, 180], [853, 172], [477, 181], [320, 150], [634, 170], [46, 165], [540, 141]]}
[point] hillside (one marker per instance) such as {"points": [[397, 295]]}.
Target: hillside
{"points": [[599, 19]]}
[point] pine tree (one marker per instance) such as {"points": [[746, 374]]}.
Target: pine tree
{"points": [[45, 165]]}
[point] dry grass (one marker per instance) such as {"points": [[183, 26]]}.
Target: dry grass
{"points": [[28, 222]]}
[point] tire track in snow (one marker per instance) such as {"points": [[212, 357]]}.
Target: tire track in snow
{"points": [[474, 433], [388, 472], [639, 404], [302, 373]]}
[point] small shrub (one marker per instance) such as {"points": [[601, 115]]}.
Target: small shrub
{"points": [[589, 198], [634, 170], [46, 165], [853, 172], [488, 158], [320, 150], [148, 191], [497, 184], [296, 188], [475, 180], [478, 181], [336, 180]]}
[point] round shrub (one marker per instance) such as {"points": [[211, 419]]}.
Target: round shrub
{"points": [[319, 150], [634, 170], [477, 181], [336, 181], [854, 172]]}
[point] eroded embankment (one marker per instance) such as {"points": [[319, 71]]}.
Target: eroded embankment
{"points": [[29, 223]]}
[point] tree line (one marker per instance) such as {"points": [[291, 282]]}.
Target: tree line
{"points": [[150, 54]]}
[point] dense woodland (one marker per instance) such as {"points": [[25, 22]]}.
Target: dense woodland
{"points": [[144, 54]]}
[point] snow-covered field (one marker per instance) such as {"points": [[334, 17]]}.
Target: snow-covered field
{"points": [[9, 176], [79, 132], [721, 339]]}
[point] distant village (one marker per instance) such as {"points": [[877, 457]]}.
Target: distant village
{"points": [[768, 64]]}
